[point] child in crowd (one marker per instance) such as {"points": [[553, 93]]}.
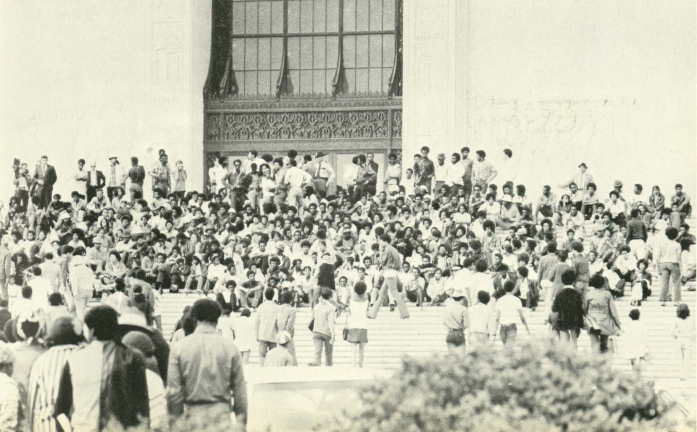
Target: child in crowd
{"points": [[358, 324], [641, 285], [244, 334], [633, 343], [684, 334]]}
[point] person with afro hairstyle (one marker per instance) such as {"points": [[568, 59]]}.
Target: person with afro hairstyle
{"points": [[205, 369], [667, 257]]}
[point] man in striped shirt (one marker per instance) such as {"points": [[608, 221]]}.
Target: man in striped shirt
{"points": [[64, 334]]}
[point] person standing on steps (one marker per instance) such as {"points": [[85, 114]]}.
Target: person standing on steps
{"points": [[567, 310], [456, 320], [266, 325], [507, 311], [391, 264], [323, 333]]}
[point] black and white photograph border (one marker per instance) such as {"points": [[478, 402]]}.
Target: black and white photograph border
{"points": [[347, 215]]}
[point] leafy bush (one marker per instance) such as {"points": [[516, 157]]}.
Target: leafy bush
{"points": [[537, 387]]}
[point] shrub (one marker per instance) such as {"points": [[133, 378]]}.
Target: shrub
{"points": [[537, 387]]}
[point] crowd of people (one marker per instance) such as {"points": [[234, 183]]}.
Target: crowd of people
{"points": [[270, 235]]}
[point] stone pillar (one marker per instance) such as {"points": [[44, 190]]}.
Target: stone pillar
{"points": [[435, 77]]}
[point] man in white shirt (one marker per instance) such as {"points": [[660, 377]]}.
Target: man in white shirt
{"points": [[454, 176], [441, 170], [40, 287], [323, 176], [507, 169], [581, 179], [507, 310], [350, 175], [480, 280], [638, 197], [480, 319], [296, 179], [116, 177]]}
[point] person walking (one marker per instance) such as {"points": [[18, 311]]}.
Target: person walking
{"points": [[266, 322], [323, 334], [634, 344], [684, 334], [286, 321], [480, 316], [567, 310], [507, 311], [81, 279], [203, 369], [64, 335], [102, 385], [456, 320], [391, 264], [601, 316]]}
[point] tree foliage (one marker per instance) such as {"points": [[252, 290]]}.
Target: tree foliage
{"points": [[537, 387]]}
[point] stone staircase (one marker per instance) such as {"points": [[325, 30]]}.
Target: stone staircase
{"points": [[423, 334]]}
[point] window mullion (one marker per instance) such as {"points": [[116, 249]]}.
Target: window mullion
{"points": [[339, 72], [281, 81]]}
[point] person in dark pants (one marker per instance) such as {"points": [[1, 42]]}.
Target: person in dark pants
{"points": [[95, 181], [567, 310], [456, 319], [137, 176], [44, 179]]}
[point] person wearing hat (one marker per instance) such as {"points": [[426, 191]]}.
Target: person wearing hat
{"points": [[483, 172], [117, 177], [440, 172], [456, 320], [95, 181], [582, 178], [509, 215], [280, 356], [64, 335]]}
